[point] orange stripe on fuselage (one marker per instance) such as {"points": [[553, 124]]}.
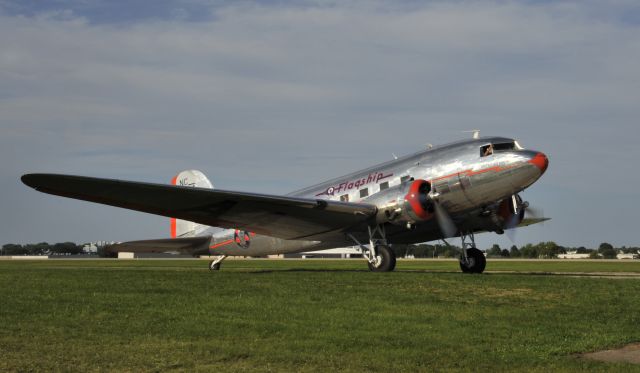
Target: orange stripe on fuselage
{"points": [[472, 173], [173, 220], [252, 234], [221, 244]]}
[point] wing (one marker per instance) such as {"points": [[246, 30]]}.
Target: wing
{"points": [[531, 221], [277, 216]]}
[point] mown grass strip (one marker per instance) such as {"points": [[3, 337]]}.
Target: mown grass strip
{"points": [[307, 316]]}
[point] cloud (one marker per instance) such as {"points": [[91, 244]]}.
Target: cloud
{"points": [[278, 96]]}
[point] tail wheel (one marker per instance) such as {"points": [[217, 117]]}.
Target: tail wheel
{"points": [[385, 260], [475, 262], [213, 266]]}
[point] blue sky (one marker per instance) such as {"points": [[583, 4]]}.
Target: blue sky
{"points": [[273, 96]]}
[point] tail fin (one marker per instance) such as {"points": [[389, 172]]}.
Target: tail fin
{"points": [[192, 178]]}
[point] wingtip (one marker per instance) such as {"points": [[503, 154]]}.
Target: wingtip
{"points": [[35, 181], [29, 180]]}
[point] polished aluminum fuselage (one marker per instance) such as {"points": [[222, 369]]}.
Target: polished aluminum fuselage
{"points": [[465, 181]]}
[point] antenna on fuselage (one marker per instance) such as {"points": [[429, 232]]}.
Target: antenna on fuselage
{"points": [[394, 156], [476, 133]]}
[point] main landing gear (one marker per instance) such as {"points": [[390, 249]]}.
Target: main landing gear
{"points": [[472, 260], [380, 257], [214, 265]]}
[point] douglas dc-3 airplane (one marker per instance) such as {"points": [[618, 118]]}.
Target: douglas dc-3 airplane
{"points": [[447, 191]]}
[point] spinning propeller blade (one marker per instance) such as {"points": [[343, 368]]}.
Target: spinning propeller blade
{"points": [[447, 226], [529, 211]]}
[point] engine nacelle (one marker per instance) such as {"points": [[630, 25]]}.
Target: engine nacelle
{"points": [[406, 203]]}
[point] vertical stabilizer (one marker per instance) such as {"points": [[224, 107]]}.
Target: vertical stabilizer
{"points": [[188, 178]]}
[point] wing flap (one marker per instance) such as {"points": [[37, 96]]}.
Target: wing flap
{"points": [[276, 216]]}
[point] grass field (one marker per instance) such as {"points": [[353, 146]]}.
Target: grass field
{"points": [[312, 315]]}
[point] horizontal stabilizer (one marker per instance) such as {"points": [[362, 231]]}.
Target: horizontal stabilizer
{"points": [[183, 245]]}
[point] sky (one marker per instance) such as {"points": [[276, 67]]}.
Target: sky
{"points": [[273, 96]]}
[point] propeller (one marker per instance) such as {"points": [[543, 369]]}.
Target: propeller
{"points": [[513, 222], [447, 226], [534, 213]]}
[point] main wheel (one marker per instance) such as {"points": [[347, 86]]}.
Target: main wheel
{"points": [[475, 262], [214, 267], [385, 260]]}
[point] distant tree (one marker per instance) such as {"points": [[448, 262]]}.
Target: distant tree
{"points": [[66, 248], [439, 251], [495, 250], [41, 248], [400, 250], [505, 253], [514, 252], [594, 255], [607, 251], [529, 251], [419, 251], [13, 249], [630, 250], [549, 249], [451, 251], [582, 250]]}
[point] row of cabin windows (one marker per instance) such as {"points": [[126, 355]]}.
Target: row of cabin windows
{"points": [[365, 192]]}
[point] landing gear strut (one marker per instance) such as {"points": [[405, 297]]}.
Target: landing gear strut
{"points": [[472, 260], [380, 257], [214, 265]]}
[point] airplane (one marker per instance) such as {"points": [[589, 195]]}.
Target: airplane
{"points": [[453, 190]]}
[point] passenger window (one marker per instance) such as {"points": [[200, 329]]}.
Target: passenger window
{"points": [[364, 192], [344, 198], [384, 186], [404, 178]]}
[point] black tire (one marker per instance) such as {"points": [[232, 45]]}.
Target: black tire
{"points": [[476, 262], [214, 267], [387, 259]]}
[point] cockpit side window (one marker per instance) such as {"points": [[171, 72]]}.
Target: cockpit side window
{"points": [[486, 150], [505, 146], [489, 149]]}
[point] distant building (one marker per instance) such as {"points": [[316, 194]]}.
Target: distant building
{"points": [[92, 247], [622, 255], [573, 255], [342, 252]]}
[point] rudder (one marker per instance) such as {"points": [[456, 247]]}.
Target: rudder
{"points": [[188, 178]]}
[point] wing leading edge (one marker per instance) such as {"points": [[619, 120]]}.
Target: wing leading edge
{"points": [[277, 216]]}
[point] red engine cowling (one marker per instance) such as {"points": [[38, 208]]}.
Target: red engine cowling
{"points": [[417, 204], [406, 203]]}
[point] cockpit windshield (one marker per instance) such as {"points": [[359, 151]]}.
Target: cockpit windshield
{"points": [[489, 149]]}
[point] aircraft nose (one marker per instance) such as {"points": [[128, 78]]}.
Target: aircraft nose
{"points": [[541, 161]]}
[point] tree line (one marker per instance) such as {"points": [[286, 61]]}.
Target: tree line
{"points": [[42, 248], [542, 250]]}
